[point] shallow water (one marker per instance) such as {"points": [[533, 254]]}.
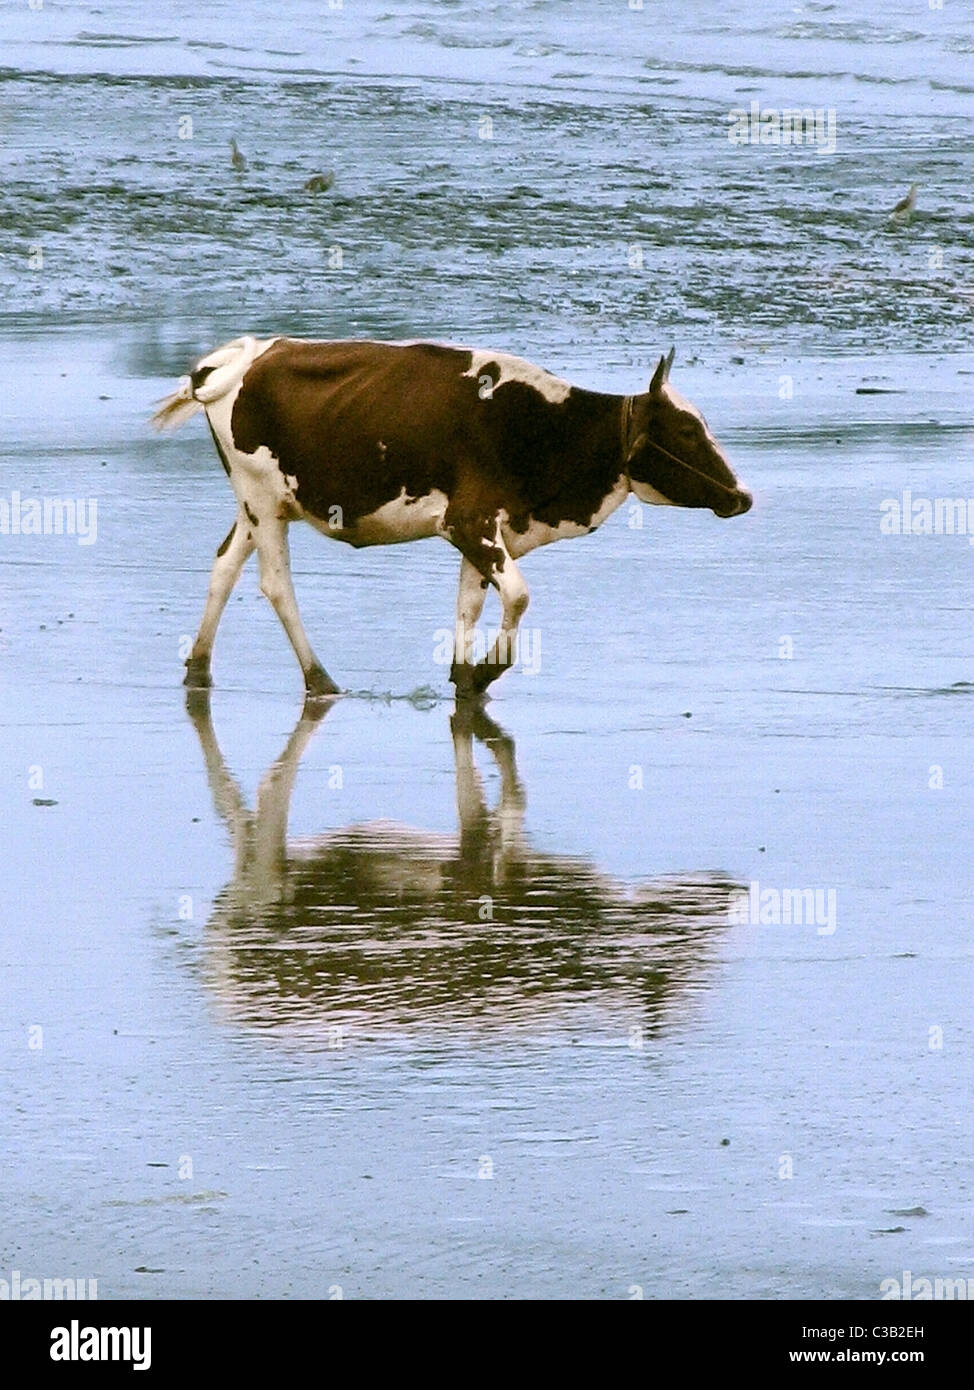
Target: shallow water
{"points": [[606, 211], [324, 1006]]}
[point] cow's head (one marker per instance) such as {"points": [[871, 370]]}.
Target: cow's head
{"points": [[672, 458]]}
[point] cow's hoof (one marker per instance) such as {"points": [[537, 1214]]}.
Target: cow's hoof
{"points": [[484, 673], [197, 675], [318, 685], [462, 676]]}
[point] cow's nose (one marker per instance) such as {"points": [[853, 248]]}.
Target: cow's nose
{"points": [[745, 501]]}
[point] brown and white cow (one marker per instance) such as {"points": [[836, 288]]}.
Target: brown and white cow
{"points": [[375, 443]]}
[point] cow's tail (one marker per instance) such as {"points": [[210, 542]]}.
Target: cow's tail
{"points": [[173, 411], [212, 377]]}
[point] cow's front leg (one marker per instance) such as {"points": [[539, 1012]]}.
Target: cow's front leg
{"points": [[471, 594], [276, 585], [230, 560], [509, 583]]}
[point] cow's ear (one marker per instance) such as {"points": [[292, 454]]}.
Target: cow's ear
{"points": [[659, 377], [669, 361]]}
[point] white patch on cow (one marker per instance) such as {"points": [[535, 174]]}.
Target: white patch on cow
{"points": [[417, 342], [221, 388], [228, 363], [552, 388], [401, 519], [681, 402], [219, 399], [647, 493], [256, 478], [540, 533], [263, 481]]}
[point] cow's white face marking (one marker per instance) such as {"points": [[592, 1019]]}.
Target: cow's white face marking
{"points": [[681, 402], [552, 388]]}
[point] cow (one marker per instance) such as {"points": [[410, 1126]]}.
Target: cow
{"points": [[374, 443], [382, 924]]}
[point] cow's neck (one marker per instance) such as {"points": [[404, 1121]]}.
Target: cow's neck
{"points": [[601, 451], [608, 452], [617, 478]]}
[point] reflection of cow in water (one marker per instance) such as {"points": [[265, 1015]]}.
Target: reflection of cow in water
{"points": [[386, 924]]}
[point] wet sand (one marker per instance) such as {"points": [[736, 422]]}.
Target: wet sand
{"points": [[283, 1049]]}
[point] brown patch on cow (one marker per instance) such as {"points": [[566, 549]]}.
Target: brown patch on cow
{"points": [[319, 408], [250, 516]]}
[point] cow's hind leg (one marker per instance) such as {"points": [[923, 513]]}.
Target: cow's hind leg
{"points": [[276, 585], [230, 560]]}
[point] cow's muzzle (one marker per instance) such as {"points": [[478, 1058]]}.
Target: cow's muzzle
{"points": [[736, 504]]}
